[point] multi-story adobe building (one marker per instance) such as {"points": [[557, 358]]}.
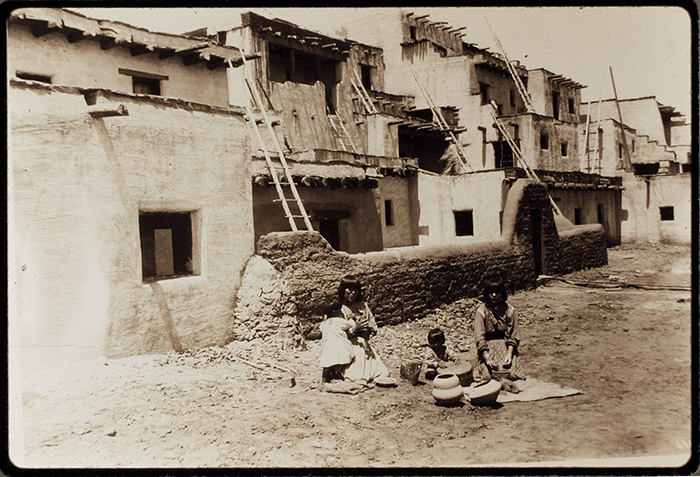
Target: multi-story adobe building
{"points": [[476, 83], [129, 180], [138, 189], [653, 158]]}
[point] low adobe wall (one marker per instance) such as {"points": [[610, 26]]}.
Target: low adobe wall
{"points": [[405, 284]]}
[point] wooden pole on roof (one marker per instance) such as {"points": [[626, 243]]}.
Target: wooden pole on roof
{"points": [[585, 141], [627, 161]]}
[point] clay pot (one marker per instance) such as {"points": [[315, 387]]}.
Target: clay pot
{"points": [[447, 390], [483, 394]]}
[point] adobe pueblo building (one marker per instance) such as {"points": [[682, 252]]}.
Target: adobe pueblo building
{"points": [[152, 174]]}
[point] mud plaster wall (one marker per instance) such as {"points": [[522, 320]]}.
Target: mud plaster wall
{"points": [[86, 65], [644, 223], [78, 185], [551, 158], [440, 196], [405, 283], [359, 232], [402, 192], [588, 201]]}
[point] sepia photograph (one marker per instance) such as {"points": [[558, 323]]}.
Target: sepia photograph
{"points": [[322, 240]]}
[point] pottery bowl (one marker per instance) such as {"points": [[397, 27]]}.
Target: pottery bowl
{"points": [[385, 382], [485, 394]]}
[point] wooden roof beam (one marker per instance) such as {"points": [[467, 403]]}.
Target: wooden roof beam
{"points": [[76, 36], [137, 50], [181, 51], [44, 28]]}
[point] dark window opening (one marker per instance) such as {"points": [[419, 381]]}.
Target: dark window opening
{"points": [[288, 64], [666, 213], [601, 213], [366, 72], [499, 109], [572, 106], [388, 213], [412, 32], [619, 151], [564, 149], [646, 169], [504, 154], [166, 245], [555, 104], [544, 141], [33, 77], [464, 223], [145, 85], [512, 98], [687, 167], [578, 216], [484, 90], [632, 145]]}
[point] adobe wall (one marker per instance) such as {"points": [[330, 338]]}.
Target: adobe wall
{"points": [[402, 192], [360, 229], [440, 196], [588, 200], [77, 186], [642, 198], [406, 283], [85, 64]]}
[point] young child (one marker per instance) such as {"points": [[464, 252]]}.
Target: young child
{"points": [[438, 356]]}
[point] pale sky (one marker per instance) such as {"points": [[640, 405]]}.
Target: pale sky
{"points": [[648, 48]]}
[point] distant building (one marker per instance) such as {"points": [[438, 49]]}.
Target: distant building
{"points": [[657, 180]]}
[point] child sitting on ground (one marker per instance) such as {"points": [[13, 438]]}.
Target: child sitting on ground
{"points": [[438, 356]]}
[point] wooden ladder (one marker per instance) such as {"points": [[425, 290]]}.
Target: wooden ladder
{"points": [[341, 133], [362, 92], [440, 120], [514, 74], [516, 151], [274, 169]]}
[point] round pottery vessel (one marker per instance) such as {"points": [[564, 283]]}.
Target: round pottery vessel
{"points": [[447, 390], [485, 394], [464, 373]]}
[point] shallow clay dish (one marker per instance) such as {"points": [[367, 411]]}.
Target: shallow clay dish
{"points": [[385, 382]]}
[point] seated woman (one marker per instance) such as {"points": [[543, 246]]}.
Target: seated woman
{"points": [[350, 356], [497, 336]]}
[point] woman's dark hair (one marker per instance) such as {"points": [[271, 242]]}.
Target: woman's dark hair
{"points": [[436, 336], [349, 282], [495, 285]]}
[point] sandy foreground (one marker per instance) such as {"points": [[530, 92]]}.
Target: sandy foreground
{"points": [[628, 350]]}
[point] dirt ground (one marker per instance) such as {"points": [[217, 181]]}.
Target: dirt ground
{"points": [[627, 349]]}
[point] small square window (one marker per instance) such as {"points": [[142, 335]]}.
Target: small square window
{"points": [[388, 213], [564, 149], [33, 77], [544, 141], [666, 213], [146, 85], [166, 245], [464, 222]]}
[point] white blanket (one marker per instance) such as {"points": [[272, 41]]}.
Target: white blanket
{"points": [[533, 390]]}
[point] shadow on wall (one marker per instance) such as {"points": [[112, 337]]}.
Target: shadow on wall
{"points": [[407, 283]]}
